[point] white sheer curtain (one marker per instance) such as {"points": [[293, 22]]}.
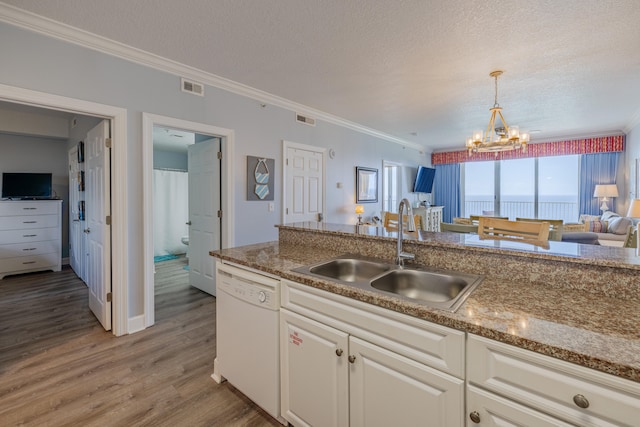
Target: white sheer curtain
{"points": [[170, 211]]}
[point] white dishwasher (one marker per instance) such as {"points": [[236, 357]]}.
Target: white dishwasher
{"points": [[247, 335]]}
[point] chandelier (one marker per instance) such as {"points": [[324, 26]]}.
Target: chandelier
{"points": [[498, 136]]}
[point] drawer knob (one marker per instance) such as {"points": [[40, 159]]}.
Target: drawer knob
{"points": [[475, 417], [352, 359], [581, 401], [338, 352]]}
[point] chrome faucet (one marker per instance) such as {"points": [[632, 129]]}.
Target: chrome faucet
{"points": [[411, 226]]}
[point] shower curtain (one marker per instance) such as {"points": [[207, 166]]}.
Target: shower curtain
{"points": [[170, 211]]}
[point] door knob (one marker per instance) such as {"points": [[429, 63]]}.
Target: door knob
{"points": [[87, 230], [188, 223]]}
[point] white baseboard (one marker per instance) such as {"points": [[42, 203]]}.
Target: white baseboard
{"points": [[136, 324]]}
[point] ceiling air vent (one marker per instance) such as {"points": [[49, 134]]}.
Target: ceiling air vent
{"points": [[306, 120], [192, 87]]}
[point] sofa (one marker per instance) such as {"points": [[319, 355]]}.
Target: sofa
{"points": [[610, 227]]}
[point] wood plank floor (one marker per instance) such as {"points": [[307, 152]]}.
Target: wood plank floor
{"points": [[58, 367]]}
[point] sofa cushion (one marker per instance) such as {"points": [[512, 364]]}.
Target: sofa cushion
{"points": [[584, 218], [608, 215], [597, 226], [619, 225]]}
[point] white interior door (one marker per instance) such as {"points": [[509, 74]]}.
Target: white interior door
{"points": [[98, 206], [204, 204], [304, 186]]}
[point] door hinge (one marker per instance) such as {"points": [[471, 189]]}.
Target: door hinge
{"points": [[107, 142], [109, 297], [219, 214], [108, 220], [219, 154], [287, 162], [287, 209]]}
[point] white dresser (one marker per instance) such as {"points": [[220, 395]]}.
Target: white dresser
{"points": [[30, 236], [431, 217]]}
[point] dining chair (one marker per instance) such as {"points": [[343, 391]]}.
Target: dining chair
{"points": [[556, 226], [522, 231], [390, 221]]}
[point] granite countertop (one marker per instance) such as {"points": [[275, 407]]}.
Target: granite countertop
{"points": [[606, 256], [598, 332]]}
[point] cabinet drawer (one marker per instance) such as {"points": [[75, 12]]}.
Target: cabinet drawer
{"points": [[430, 344], [28, 222], [552, 385], [28, 248], [31, 235], [29, 208], [495, 411], [30, 262]]}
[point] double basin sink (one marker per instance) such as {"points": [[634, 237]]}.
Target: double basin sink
{"points": [[446, 290]]}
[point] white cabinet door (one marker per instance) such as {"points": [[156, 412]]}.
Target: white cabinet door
{"points": [[489, 410], [314, 365], [387, 389]]}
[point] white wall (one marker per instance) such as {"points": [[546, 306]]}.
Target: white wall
{"points": [[48, 65]]}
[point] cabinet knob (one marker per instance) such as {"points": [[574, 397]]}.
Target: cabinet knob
{"points": [[352, 359], [338, 352], [581, 401], [475, 417]]}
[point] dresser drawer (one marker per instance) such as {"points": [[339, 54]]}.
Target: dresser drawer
{"points": [[29, 262], [33, 235], [28, 248], [29, 208], [551, 385], [28, 222]]}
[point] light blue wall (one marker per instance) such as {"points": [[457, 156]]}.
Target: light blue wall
{"points": [[36, 62], [169, 160]]}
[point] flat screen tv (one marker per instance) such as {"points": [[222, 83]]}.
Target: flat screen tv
{"points": [[424, 180], [26, 185]]}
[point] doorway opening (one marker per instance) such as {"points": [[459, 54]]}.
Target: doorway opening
{"points": [[198, 217], [116, 117]]}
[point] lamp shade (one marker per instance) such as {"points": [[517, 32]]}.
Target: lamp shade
{"points": [[606, 190], [634, 209], [359, 209]]}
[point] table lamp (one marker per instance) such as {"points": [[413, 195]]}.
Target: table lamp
{"points": [[634, 209], [604, 191], [359, 212]]}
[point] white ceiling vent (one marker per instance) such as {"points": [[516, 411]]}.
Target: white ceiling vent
{"points": [[306, 120], [192, 87]]}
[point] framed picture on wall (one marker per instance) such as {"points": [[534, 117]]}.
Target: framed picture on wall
{"points": [[366, 185]]}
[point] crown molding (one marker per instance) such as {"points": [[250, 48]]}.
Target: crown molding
{"points": [[46, 26]]}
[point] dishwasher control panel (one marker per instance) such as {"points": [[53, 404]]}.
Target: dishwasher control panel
{"points": [[250, 287]]}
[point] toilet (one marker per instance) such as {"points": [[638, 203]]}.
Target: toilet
{"points": [[185, 241]]}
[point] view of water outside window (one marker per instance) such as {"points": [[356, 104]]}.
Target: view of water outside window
{"points": [[514, 195]]}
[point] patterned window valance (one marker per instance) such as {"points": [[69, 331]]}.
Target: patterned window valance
{"points": [[604, 144]]}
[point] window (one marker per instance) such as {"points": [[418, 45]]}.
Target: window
{"points": [[544, 187], [391, 185], [479, 187]]}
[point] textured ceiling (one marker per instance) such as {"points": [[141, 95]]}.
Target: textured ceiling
{"points": [[572, 67]]}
